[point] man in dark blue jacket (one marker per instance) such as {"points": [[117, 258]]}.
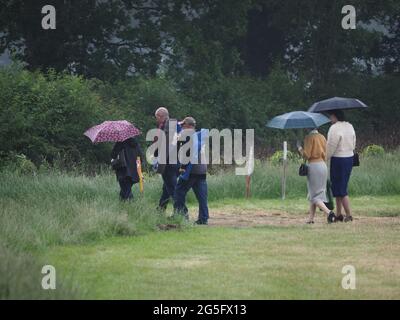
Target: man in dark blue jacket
{"points": [[192, 175], [168, 170]]}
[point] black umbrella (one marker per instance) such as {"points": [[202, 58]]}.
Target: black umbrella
{"points": [[337, 103]]}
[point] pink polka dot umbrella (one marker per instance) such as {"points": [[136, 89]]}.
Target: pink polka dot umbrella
{"points": [[112, 131]]}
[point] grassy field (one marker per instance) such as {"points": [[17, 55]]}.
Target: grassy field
{"points": [[254, 248], [272, 262]]}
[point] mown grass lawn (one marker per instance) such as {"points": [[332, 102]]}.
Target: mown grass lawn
{"points": [[264, 262]]}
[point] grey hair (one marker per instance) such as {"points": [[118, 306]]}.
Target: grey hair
{"points": [[163, 111]]}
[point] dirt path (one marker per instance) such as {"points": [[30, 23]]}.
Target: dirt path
{"points": [[250, 218]]}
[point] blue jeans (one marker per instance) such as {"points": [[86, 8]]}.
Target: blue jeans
{"points": [[169, 177], [199, 185]]}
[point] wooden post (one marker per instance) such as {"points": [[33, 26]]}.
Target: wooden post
{"points": [[250, 168], [248, 178], [284, 170]]}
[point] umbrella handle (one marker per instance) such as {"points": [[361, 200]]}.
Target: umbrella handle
{"points": [[140, 173]]}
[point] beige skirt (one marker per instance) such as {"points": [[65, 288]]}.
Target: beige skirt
{"points": [[316, 181]]}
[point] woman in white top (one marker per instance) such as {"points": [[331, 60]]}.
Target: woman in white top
{"points": [[340, 151]]}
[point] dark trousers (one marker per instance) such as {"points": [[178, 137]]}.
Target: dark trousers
{"points": [[169, 177], [126, 184], [199, 185], [340, 172]]}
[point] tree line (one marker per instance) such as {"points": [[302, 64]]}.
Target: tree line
{"points": [[230, 63]]}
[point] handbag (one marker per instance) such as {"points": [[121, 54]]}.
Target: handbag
{"points": [[330, 204], [303, 170], [356, 160], [120, 161]]}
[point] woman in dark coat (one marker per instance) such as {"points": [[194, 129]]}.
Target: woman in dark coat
{"points": [[127, 174]]}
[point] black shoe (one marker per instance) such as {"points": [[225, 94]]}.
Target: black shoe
{"points": [[348, 219], [201, 222], [331, 217], [339, 218], [310, 222]]}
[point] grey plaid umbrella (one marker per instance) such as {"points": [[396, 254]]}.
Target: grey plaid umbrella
{"points": [[337, 103], [298, 119]]}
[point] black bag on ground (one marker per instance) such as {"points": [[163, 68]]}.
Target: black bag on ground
{"points": [[356, 160], [330, 204], [120, 161], [303, 170]]}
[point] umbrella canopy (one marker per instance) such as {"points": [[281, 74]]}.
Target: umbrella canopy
{"points": [[337, 103], [298, 119], [112, 131]]}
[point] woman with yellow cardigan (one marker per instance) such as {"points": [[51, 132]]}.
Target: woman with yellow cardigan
{"points": [[315, 153]]}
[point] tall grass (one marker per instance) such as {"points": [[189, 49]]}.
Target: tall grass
{"points": [[60, 208], [48, 209], [21, 278], [53, 208], [376, 176]]}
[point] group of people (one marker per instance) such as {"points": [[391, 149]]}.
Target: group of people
{"points": [[178, 178], [338, 148]]}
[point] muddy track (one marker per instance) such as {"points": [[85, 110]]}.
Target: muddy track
{"points": [[253, 218]]}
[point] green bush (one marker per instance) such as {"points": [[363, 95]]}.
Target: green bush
{"points": [[17, 163], [245, 102], [44, 115], [137, 99], [277, 157], [373, 150]]}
